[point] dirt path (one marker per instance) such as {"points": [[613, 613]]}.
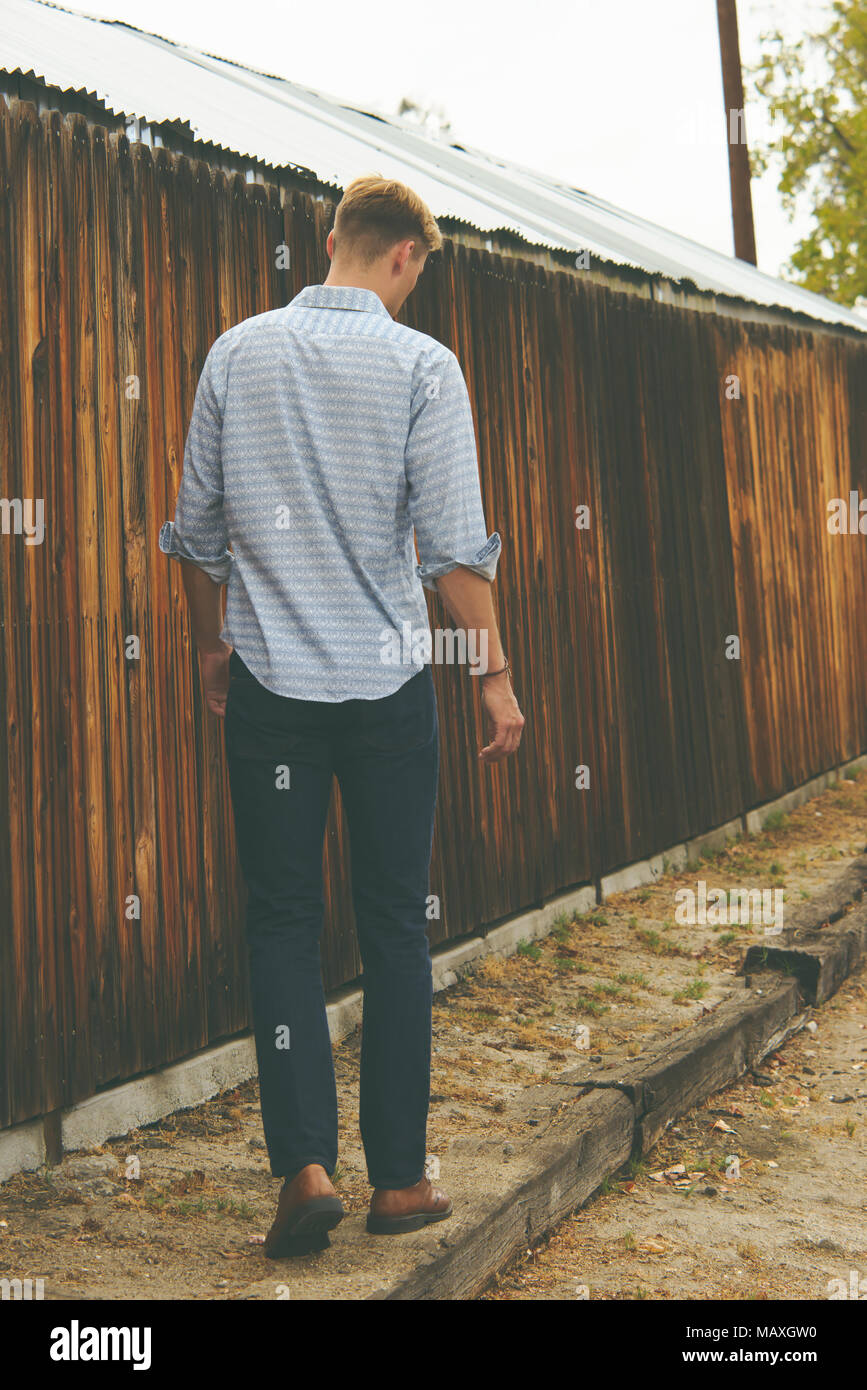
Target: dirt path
{"points": [[178, 1209], [792, 1225]]}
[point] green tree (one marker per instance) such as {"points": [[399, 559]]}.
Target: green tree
{"points": [[817, 91]]}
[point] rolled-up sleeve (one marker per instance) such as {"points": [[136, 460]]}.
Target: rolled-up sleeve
{"points": [[442, 472], [198, 532]]}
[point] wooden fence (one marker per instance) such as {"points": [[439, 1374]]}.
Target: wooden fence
{"points": [[707, 520]]}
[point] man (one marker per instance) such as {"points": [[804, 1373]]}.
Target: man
{"points": [[322, 435]]}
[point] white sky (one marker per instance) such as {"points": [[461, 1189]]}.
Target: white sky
{"points": [[602, 95]]}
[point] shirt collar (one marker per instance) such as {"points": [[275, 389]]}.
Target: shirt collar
{"points": [[339, 297]]}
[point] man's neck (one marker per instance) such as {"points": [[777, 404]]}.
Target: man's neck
{"points": [[353, 280]]}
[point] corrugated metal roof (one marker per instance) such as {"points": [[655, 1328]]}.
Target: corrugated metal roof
{"points": [[267, 118]]}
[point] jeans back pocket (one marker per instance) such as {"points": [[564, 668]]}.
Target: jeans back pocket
{"points": [[403, 721]]}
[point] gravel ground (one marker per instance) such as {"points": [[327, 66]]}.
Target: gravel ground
{"points": [[178, 1209], [789, 1221]]}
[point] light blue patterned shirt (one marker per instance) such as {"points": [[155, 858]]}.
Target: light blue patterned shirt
{"points": [[322, 434]]}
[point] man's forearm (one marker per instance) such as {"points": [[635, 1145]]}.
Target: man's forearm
{"points": [[205, 602], [469, 600]]}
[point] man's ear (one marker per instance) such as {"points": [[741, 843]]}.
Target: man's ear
{"points": [[404, 255], [329, 245]]}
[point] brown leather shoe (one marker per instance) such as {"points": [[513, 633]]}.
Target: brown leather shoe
{"points": [[396, 1210], [307, 1209]]}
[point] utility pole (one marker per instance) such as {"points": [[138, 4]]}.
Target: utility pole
{"points": [[736, 133]]}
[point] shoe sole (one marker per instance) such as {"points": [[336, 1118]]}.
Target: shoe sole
{"points": [[307, 1228], [399, 1225]]}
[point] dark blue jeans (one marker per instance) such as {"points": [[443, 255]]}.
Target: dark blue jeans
{"points": [[282, 756]]}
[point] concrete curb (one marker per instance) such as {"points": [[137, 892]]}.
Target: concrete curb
{"points": [[148, 1098], [755, 820], [189, 1082]]}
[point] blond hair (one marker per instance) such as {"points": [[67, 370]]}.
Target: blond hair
{"points": [[375, 213]]}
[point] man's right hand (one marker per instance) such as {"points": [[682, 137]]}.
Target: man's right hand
{"points": [[504, 717], [215, 676]]}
